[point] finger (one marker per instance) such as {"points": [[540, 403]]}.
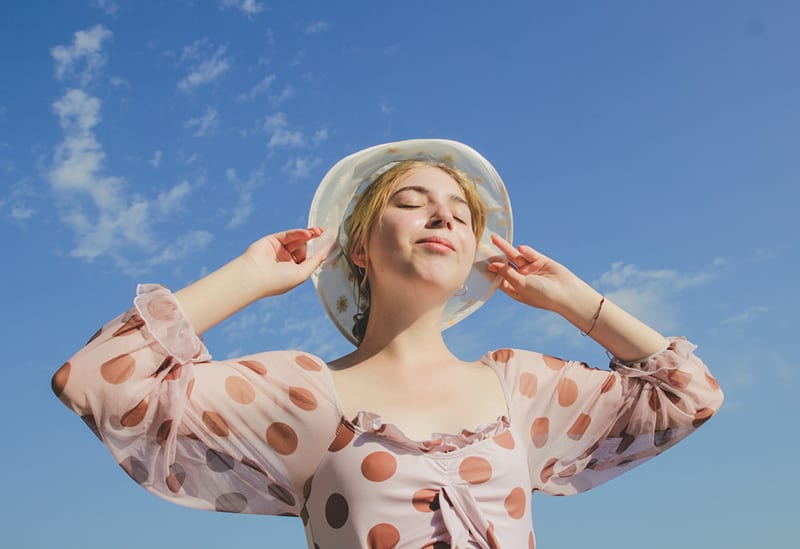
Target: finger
{"points": [[312, 262], [291, 236], [529, 253], [510, 252], [510, 275]]}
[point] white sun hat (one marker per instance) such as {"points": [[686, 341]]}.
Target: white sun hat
{"points": [[343, 184]]}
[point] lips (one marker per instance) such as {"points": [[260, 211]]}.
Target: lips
{"points": [[437, 240]]}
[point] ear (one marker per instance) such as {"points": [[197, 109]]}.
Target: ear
{"points": [[358, 255]]}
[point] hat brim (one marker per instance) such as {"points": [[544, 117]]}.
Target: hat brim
{"points": [[343, 184]]}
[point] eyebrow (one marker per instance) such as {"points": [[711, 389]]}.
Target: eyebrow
{"points": [[426, 192]]}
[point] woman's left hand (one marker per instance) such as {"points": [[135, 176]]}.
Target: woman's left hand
{"points": [[533, 278]]}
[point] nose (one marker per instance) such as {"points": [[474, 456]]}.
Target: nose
{"points": [[441, 218]]}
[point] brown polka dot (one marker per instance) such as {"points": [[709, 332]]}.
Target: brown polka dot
{"points": [[712, 382], [383, 536], [608, 384], [673, 398], [281, 494], [189, 388], [515, 503], [491, 539], [531, 541], [135, 469], [174, 373], [701, 416], [660, 438], [307, 363], [162, 308], [654, 400], [254, 365], [254, 466], [425, 500], [579, 427], [175, 478], [90, 422], [163, 432], [302, 398], [118, 369], [218, 462], [505, 440], [239, 389], [528, 384], [679, 378], [475, 470], [60, 379], [131, 325], [166, 363], [336, 510], [552, 362], [344, 434], [547, 470], [282, 438], [378, 466], [540, 429], [625, 443], [216, 424], [135, 415], [95, 336], [502, 355], [232, 502], [567, 392]]}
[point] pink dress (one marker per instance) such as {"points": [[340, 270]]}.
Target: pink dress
{"points": [[266, 434]]}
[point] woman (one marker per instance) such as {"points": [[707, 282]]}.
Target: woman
{"points": [[374, 449]]}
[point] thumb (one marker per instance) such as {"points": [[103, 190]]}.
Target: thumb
{"points": [[313, 262]]}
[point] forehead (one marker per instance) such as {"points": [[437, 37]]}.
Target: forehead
{"points": [[431, 179]]}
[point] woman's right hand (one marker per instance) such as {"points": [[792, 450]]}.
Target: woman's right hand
{"points": [[282, 259]]}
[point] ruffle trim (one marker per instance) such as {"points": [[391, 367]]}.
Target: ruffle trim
{"points": [[678, 350]]}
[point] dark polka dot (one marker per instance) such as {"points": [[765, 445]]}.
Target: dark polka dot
{"points": [[302, 398], [378, 466], [166, 363], [567, 392], [135, 415], [176, 477], [654, 400], [673, 398], [552, 362], [383, 536], [344, 434], [254, 365], [547, 470], [90, 422], [336, 510], [219, 462], [60, 379], [282, 438], [132, 325], [502, 355], [425, 500], [528, 384], [162, 308], [174, 373], [307, 487], [232, 502], [307, 363], [95, 336], [246, 461], [505, 440], [625, 443], [608, 384], [701, 416], [475, 470], [118, 369], [215, 423], [163, 432], [135, 469], [239, 389], [281, 494], [577, 430], [540, 429], [679, 378], [304, 518], [712, 382], [515, 503], [437, 545], [491, 539], [661, 438]]}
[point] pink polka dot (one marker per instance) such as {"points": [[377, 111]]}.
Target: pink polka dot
{"points": [[491, 539], [540, 430], [281, 494], [255, 366], [239, 389], [577, 430], [162, 308], [528, 384], [383, 536], [567, 392], [216, 423], [654, 400], [552, 362], [282, 438], [679, 378], [302, 398], [531, 541], [378, 466], [475, 470], [505, 440], [515, 503], [118, 369], [307, 363], [712, 382]]}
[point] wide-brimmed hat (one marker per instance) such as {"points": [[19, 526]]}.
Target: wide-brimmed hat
{"points": [[343, 184]]}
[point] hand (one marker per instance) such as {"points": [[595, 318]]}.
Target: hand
{"points": [[533, 278], [282, 261]]}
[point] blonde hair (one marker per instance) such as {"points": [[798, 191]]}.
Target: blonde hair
{"points": [[370, 206]]}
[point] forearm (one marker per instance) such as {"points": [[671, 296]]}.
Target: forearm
{"points": [[623, 335], [220, 294]]}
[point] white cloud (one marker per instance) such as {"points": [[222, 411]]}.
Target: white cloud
{"points": [[282, 136], [174, 198], [299, 167], [258, 89], [85, 52], [320, 136], [21, 213], [203, 124], [248, 7], [109, 7], [155, 161], [183, 247], [286, 93], [317, 27], [206, 68], [386, 108], [243, 209], [746, 316]]}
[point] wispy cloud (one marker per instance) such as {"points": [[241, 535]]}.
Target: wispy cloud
{"points": [[317, 27], [243, 209], [203, 124], [174, 199], [281, 136], [301, 166], [204, 67], [84, 57], [21, 213], [745, 316], [386, 107], [155, 160], [258, 89], [248, 7], [109, 7], [286, 93]]}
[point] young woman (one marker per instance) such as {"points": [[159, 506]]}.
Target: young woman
{"points": [[399, 443]]}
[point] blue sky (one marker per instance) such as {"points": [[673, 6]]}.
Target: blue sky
{"points": [[651, 147]]}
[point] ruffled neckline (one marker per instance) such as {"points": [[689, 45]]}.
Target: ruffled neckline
{"points": [[369, 422]]}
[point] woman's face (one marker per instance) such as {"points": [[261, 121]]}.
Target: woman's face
{"points": [[424, 235]]}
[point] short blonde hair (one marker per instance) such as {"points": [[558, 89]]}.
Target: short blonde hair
{"points": [[372, 203]]}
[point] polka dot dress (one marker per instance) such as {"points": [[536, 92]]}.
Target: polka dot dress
{"points": [[265, 434]]}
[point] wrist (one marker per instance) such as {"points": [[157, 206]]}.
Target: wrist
{"points": [[580, 305]]}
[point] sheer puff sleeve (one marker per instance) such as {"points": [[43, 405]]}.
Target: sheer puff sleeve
{"points": [[241, 435], [584, 426]]}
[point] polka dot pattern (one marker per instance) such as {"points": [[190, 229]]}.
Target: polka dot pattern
{"points": [[162, 308], [240, 390], [216, 423], [281, 494], [425, 500], [132, 325], [515, 503], [505, 440], [679, 378], [528, 384], [344, 434], [531, 541], [567, 392], [378, 466], [302, 398], [255, 366], [232, 502], [491, 538], [336, 510], [163, 432], [307, 363], [59, 381], [701, 416], [176, 478], [654, 400], [552, 362], [547, 470], [540, 429], [219, 462], [91, 423], [118, 369], [578, 429], [475, 470], [282, 438], [502, 355], [135, 415], [135, 469], [383, 536], [609, 383]]}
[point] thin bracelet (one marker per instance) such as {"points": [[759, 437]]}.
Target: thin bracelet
{"points": [[594, 318]]}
